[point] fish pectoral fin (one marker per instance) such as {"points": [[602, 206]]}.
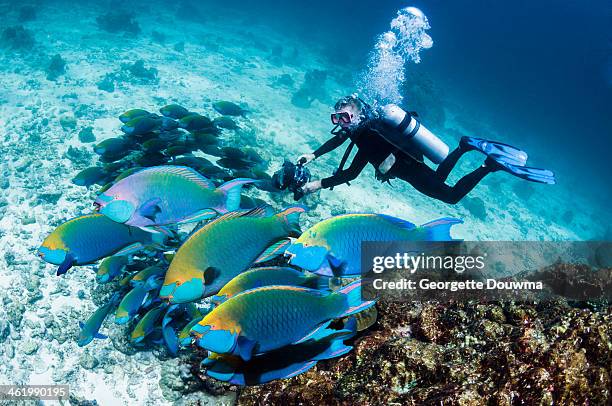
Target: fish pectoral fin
{"points": [[129, 249], [318, 333], [221, 371], [100, 336], [335, 349], [273, 251], [245, 347], [200, 215], [210, 274], [81, 325], [69, 261], [151, 208], [336, 264]]}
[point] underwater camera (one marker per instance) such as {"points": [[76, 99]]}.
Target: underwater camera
{"points": [[292, 177]]}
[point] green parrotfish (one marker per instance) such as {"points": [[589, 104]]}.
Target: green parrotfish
{"points": [[224, 248]]}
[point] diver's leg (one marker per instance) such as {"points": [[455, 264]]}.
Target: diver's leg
{"points": [[426, 181], [467, 183], [449, 163]]}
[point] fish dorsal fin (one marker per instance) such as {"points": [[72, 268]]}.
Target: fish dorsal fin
{"points": [[398, 222], [273, 251], [265, 210], [184, 171]]}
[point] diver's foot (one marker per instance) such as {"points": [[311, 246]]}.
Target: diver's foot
{"points": [[524, 172], [494, 150]]}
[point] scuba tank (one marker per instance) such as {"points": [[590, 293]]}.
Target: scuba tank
{"points": [[411, 134]]}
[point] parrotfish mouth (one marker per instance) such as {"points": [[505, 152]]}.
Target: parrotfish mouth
{"points": [[177, 292], [309, 257]]}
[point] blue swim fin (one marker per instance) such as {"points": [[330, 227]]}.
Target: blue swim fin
{"points": [[523, 172], [496, 150]]}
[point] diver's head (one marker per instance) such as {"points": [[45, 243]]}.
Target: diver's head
{"points": [[350, 111]]}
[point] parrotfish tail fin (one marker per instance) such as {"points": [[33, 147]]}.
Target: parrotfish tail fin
{"points": [[291, 217], [354, 302], [336, 349], [273, 251], [232, 191], [439, 230]]}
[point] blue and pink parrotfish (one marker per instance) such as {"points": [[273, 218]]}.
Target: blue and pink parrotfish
{"points": [[164, 195], [332, 247]]}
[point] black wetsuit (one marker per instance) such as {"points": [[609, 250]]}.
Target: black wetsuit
{"points": [[373, 148]]}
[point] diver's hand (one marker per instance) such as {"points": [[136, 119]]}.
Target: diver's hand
{"points": [[305, 159], [311, 187]]}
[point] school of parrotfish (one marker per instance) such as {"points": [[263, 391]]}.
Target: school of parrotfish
{"points": [[245, 283]]}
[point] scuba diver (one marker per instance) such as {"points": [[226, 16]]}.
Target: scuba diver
{"points": [[395, 143]]}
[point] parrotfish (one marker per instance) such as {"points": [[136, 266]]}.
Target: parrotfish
{"points": [[136, 298], [229, 109], [112, 146], [332, 247], [267, 276], [195, 122], [142, 125], [185, 338], [147, 323], [174, 317], [87, 239], [174, 111], [90, 329], [110, 268], [143, 275], [163, 195], [283, 363], [132, 114], [268, 318], [90, 176], [225, 122], [224, 248]]}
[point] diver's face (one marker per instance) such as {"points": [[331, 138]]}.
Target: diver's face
{"points": [[353, 114]]}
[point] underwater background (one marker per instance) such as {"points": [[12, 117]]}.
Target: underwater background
{"points": [[533, 74]]}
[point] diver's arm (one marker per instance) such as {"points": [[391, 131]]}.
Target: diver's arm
{"points": [[330, 145], [359, 162]]}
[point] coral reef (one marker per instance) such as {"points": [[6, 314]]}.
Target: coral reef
{"points": [[465, 353], [56, 67], [134, 73]]}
